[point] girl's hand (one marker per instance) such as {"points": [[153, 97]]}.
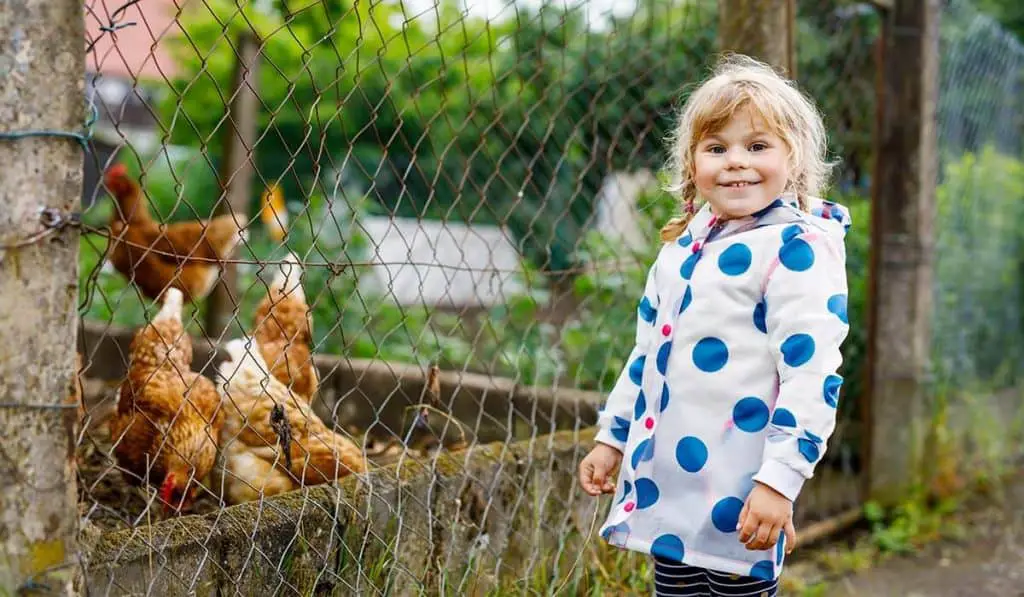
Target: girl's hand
{"points": [[765, 514], [598, 468]]}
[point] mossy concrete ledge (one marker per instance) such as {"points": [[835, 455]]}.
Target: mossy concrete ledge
{"points": [[461, 520]]}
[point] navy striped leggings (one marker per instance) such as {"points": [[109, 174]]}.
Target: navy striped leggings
{"points": [[672, 579]]}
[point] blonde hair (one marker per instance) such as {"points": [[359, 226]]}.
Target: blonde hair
{"points": [[740, 82]]}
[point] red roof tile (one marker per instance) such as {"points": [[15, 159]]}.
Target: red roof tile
{"points": [[135, 52]]}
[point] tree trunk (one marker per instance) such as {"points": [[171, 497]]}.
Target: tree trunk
{"points": [[235, 175], [42, 67], [762, 29], [900, 281]]}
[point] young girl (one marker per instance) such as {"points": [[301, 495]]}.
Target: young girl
{"points": [[730, 393]]}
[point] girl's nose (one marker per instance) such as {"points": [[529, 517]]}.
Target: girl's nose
{"points": [[737, 158]]}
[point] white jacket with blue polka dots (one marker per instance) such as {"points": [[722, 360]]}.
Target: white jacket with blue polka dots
{"points": [[733, 379]]}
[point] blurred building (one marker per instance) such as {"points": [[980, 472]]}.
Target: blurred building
{"points": [[126, 69]]}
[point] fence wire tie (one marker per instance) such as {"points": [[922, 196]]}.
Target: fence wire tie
{"points": [[113, 24], [83, 138], [53, 221]]}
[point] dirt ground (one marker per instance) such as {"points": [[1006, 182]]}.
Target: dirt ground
{"points": [[987, 562]]}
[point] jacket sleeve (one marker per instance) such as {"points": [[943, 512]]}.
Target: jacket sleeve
{"points": [[617, 414], [806, 321]]}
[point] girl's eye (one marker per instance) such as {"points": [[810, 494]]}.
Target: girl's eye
{"points": [[716, 149], [759, 146]]}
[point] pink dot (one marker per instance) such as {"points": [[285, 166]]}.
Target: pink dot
{"points": [[629, 506], [666, 330], [696, 247], [649, 423]]}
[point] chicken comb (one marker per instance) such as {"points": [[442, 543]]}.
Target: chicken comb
{"points": [[166, 490], [118, 170]]}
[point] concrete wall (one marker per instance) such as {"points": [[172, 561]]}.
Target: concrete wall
{"points": [[457, 520]]}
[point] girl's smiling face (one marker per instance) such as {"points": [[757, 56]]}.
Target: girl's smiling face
{"points": [[742, 167]]}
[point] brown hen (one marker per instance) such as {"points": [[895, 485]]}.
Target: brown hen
{"points": [[156, 256], [283, 330], [261, 418], [168, 418]]}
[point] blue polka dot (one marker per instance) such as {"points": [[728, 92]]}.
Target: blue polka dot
{"points": [[783, 418], [691, 454], [726, 514], [687, 299], [735, 260], [644, 451], [620, 429], [796, 255], [646, 493], [685, 240], [669, 547], [780, 548], [664, 397], [663, 353], [797, 349], [837, 306], [640, 406], [763, 570], [833, 383], [791, 232], [809, 449], [760, 312], [647, 311], [636, 369], [617, 528], [751, 414], [686, 270], [710, 354], [812, 437], [627, 488]]}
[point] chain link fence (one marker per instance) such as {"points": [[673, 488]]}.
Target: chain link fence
{"points": [[977, 329], [433, 220]]}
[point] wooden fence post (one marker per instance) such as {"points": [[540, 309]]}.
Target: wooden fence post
{"points": [[42, 68], [236, 172], [762, 29], [896, 412]]}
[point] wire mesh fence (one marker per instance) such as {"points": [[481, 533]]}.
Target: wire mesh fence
{"points": [[977, 329], [408, 238]]}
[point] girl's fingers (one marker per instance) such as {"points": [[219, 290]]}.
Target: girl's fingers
{"points": [[749, 527], [790, 536], [742, 520], [587, 477], [759, 539], [773, 536]]}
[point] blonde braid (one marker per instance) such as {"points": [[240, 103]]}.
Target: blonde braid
{"points": [[675, 227]]}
